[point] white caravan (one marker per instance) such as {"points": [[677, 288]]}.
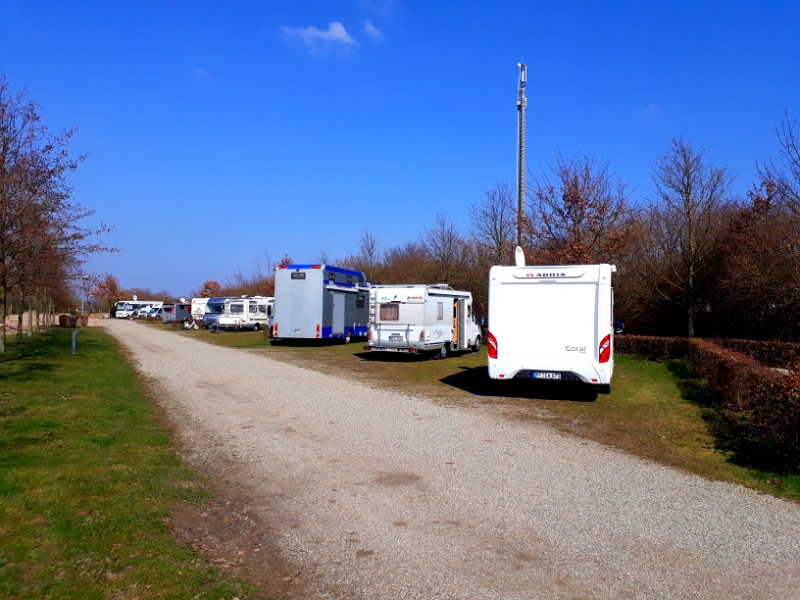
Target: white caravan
{"points": [[247, 312], [552, 323], [199, 309], [126, 309], [421, 318]]}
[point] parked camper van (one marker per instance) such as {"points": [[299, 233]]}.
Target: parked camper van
{"points": [[421, 318], [215, 308], [126, 309], [319, 302], [552, 323], [176, 312], [199, 308], [246, 313]]}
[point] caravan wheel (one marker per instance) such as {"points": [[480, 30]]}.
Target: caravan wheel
{"points": [[256, 327], [442, 354], [476, 347]]}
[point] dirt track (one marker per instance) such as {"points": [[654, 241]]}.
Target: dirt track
{"points": [[358, 492]]}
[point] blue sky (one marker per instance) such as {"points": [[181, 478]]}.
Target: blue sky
{"points": [[221, 131]]}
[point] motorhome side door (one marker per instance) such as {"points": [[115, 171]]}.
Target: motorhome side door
{"points": [[338, 313], [461, 323]]}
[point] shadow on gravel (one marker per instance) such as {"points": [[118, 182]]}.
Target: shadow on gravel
{"points": [[733, 433], [476, 381]]}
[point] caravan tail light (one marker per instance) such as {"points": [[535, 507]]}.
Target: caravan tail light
{"points": [[275, 330], [605, 349], [317, 329], [369, 334], [492, 346], [422, 336]]}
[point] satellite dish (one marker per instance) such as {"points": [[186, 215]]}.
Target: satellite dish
{"points": [[135, 298], [183, 299]]}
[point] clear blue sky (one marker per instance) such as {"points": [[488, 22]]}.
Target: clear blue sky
{"points": [[218, 131]]}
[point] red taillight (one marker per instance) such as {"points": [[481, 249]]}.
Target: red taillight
{"points": [[492, 345], [605, 349], [275, 330], [369, 334]]}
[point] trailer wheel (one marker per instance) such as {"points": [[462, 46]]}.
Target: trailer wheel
{"points": [[442, 354], [256, 327], [476, 347]]}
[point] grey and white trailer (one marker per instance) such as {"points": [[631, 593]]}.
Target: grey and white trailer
{"points": [[422, 318], [177, 312], [319, 302]]}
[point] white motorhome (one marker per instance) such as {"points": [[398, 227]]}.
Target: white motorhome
{"points": [[552, 323], [199, 308], [126, 309], [247, 312], [421, 318]]}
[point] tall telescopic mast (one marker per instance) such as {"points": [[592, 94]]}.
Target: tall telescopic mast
{"points": [[522, 106]]}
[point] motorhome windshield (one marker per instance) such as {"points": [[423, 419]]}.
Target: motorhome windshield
{"points": [[120, 306], [215, 309]]}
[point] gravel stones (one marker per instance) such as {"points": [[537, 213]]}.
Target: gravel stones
{"points": [[373, 494]]}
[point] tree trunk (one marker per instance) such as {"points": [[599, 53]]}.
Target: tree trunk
{"points": [[19, 316]]}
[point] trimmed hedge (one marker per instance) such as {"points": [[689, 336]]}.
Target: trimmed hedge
{"points": [[781, 355], [742, 375], [650, 346], [770, 400]]}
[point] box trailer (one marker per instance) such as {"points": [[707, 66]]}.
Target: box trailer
{"points": [[421, 318], [247, 312], [176, 312], [552, 323], [319, 302]]}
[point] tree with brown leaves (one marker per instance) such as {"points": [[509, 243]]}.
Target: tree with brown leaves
{"points": [[579, 215]]}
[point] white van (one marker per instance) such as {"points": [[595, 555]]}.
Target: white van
{"points": [[421, 318], [552, 323], [247, 312]]}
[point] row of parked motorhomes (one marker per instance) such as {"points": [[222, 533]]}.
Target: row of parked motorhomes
{"points": [[551, 323]]}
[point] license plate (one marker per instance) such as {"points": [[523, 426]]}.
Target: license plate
{"points": [[554, 375], [395, 338]]}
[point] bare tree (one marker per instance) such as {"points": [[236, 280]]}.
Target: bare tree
{"points": [[445, 246], [494, 224], [368, 249], [784, 180], [580, 215], [38, 217], [681, 227]]}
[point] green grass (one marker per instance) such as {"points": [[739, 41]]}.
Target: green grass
{"points": [[656, 410], [87, 479]]}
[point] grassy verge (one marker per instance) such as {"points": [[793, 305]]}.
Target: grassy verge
{"points": [[87, 479], [656, 410]]}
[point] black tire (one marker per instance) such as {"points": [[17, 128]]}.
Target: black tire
{"points": [[476, 347], [256, 327], [442, 354]]}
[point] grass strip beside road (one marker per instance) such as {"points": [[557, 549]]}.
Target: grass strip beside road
{"points": [[87, 479], [657, 410]]}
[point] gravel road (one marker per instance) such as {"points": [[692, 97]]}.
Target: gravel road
{"points": [[379, 495]]}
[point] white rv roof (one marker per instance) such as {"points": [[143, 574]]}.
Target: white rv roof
{"points": [[552, 274]]}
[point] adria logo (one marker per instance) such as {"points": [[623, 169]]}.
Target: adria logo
{"points": [[550, 274]]}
